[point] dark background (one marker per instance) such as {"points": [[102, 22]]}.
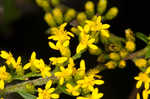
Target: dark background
{"points": [[27, 34]]}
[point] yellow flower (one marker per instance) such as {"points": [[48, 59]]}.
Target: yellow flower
{"points": [[88, 83], [74, 90], [64, 74], [140, 62], [143, 77], [31, 62], [85, 41], [98, 26], [45, 70], [8, 57], [18, 66], [59, 34], [58, 60], [62, 47], [47, 93], [130, 46], [3, 76], [95, 95]]}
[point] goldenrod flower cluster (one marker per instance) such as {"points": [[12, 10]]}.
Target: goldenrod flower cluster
{"points": [[68, 77]]}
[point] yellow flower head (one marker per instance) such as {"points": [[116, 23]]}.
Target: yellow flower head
{"points": [[3, 76], [45, 70], [47, 93], [59, 34], [8, 57], [88, 83], [85, 41], [32, 62], [64, 74], [98, 26], [94, 95], [74, 90], [58, 60], [140, 62], [143, 78]]}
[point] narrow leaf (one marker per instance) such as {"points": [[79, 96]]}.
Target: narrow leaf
{"points": [[142, 37], [147, 52], [26, 95]]}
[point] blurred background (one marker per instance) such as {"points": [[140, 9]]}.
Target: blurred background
{"points": [[22, 30]]}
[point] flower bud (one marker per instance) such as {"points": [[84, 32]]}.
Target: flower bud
{"points": [[49, 19], [89, 7], [43, 3], [97, 51], [81, 17], [55, 2], [123, 53], [111, 14], [114, 56], [111, 64], [122, 64], [141, 62], [130, 46], [101, 7], [58, 16], [70, 14]]}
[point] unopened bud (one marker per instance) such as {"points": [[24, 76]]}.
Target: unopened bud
{"points": [[81, 17], [70, 14], [89, 7], [58, 16], [49, 19], [101, 7], [112, 13]]}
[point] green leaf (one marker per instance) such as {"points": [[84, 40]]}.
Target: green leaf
{"points": [[147, 55], [26, 95], [142, 37]]}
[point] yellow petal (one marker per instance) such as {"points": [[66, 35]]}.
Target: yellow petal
{"points": [[52, 45], [66, 43], [48, 84], [33, 55], [99, 82], [82, 64], [92, 46], [1, 84], [55, 96], [146, 85], [105, 26], [26, 66], [75, 93], [138, 96], [139, 83]]}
